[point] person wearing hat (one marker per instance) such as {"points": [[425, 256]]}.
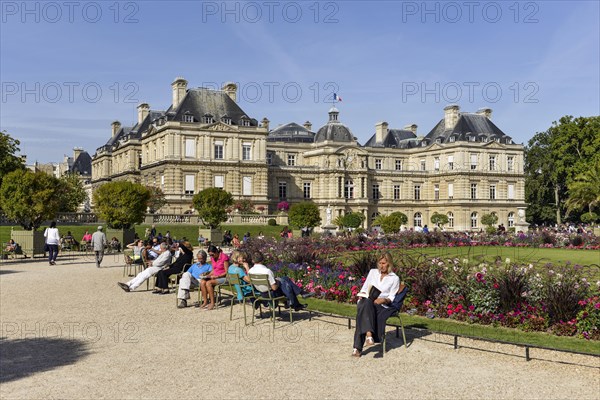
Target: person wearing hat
{"points": [[98, 243]]}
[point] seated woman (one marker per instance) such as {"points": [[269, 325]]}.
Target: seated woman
{"points": [[11, 246], [115, 244], [192, 277], [137, 246], [227, 238], [368, 310], [238, 259], [220, 263], [236, 241], [70, 241], [185, 257]]}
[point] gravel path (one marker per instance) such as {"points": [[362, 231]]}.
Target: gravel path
{"points": [[69, 332]]}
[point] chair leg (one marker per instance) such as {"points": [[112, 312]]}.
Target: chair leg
{"points": [[403, 334]]}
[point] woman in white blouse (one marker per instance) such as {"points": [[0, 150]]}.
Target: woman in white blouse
{"points": [[52, 240], [367, 310]]}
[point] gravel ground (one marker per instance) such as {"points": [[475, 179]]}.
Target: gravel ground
{"points": [[69, 332]]}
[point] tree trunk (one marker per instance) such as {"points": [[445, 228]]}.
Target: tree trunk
{"points": [[557, 202]]}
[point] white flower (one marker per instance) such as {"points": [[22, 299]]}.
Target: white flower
{"points": [[507, 260]]}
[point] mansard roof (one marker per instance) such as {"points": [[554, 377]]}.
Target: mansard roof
{"points": [[334, 130], [200, 101], [291, 132], [395, 138], [83, 164], [468, 125]]}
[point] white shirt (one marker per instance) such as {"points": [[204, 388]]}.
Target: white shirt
{"points": [[163, 259], [388, 286], [52, 236], [259, 269]]}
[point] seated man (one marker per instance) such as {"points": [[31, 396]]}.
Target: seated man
{"points": [[192, 278], [282, 286], [162, 261], [154, 250], [115, 244]]}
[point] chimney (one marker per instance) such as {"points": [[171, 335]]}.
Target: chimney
{"points": [[487, 112], [143, 111], [451, 116], [412, 128], [231, 89], [116, 125], [381, 129], [265, 123], [179, 86], [308, 126], [76, 152]]}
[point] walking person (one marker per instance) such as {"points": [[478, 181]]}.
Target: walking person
{"points": [[98, 243], [52, 241]]}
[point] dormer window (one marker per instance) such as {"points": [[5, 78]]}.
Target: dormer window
{"points": [[472, 138], [188, 117], [424, 143], [161, 121], [439, 140], [207, 119], [452, 139], [245, 121], [484, 139], [226, 120]]}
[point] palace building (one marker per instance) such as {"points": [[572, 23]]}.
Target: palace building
{"points": [[464, 167]]}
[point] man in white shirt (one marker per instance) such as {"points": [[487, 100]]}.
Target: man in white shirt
{"points": [[282, 286], [163, 260]]}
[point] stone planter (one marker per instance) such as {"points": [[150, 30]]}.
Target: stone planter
{"points": [[214, 236], [125, 236], [32, 242]]}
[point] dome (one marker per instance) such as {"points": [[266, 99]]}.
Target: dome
{"points": [[334, 130]]}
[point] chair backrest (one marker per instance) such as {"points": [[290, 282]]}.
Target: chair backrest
{"points": [[261, 280], [234, 279]]}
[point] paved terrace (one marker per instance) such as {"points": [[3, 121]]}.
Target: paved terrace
{"points": [[69, 332]]}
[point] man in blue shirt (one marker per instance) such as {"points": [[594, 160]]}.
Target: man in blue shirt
{"points": [[192, 277]]}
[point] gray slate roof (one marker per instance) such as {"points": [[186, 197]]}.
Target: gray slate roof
{"points": [[468, 124], [83, 164], [334, 130], [395, 138], [291, 132]]}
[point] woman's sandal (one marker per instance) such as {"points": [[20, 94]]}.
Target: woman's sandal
{"points": [[355, 353], [369, 341]]}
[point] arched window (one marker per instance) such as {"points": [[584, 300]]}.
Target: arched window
{"points": [[418, 219], [450, 219], [511, 219], [349, 189], [473, 220]]}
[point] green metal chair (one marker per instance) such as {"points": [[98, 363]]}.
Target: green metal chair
{"points": [[233, 280], [273, 301], [397, 314]]}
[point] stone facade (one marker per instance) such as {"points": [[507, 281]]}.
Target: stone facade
{"points": [[464, 167]]}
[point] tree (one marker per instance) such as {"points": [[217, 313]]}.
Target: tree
{"points": [[351, 220], [71, 192], [305, 214], [211, 204], [584, 190], [9, 161], [439, 219], [30, 198], [489, 220], [121, 203], [553, 159], [392, 223], [244, 206], [157, 199]]}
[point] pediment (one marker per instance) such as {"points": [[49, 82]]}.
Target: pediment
{"points": [[221, 127], [494, 145]]}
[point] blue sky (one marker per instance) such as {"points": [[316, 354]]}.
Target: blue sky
{"points": [[69, 70]]}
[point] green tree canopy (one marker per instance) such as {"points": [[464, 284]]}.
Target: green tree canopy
{"points": [[351, 220], [439, 219], [9, 161], [305, 214], [211, 205], [553, 159], [157, 199], [121, 203], [391, 223], [71, 192], [30, 198], [584, 189]]}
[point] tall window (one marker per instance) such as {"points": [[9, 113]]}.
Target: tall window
{"points": [[510, 160], [492, 163], [247, 186], [291, 160], [418, 219], [436, 163], [378, 163], [473, 191], [362, 188], [451, 190], [492, 192], [219, 181], [417, 192], [511, 219], [376, 192], [190, 184], [398, 165], [450, 162], [511, 191], [422, 165], [349, 189], [436, 192], [307, 190], [450, 219], [188, 118], [282, 190], [218, 150], [269, 158], [396, 192], [190, 148], [473, 161], [473, 220], [246, 151]]}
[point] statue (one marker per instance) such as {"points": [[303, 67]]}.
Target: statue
{"points": [[328, 215]]}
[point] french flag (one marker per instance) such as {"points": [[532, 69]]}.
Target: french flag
{"points": [[336, 97]]}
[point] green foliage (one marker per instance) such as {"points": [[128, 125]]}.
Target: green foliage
{"points": [[589, 218], [211, 204], [553, 159], [351, 220], [392, 223], [439, 219], [489, 220], [121, 204], [244, 206], [305, 214], [272, 222], [157, 199], [9, 161], [584, 189], [30, 198], [71, 192]]}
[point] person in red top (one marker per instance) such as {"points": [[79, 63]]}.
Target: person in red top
{"points": [[220, 264]]}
